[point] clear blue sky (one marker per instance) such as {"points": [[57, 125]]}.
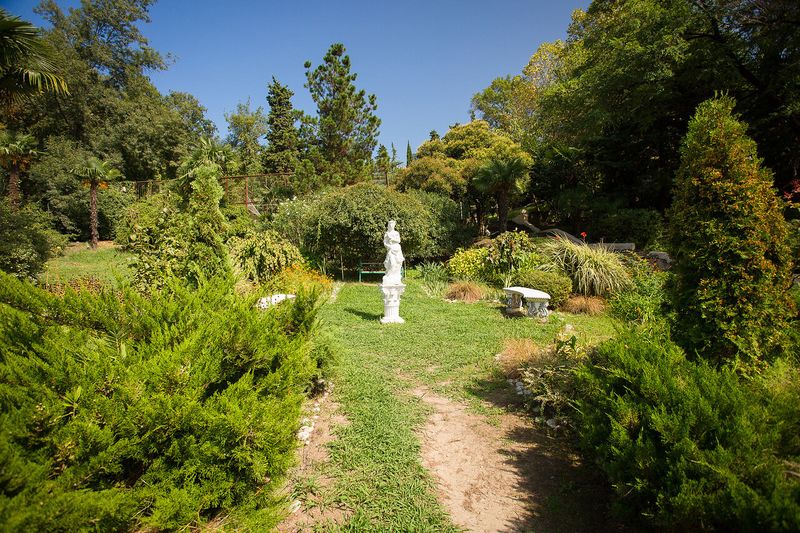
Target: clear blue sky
{"points": [[422, 59]]}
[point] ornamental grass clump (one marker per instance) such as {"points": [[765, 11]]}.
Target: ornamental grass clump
{"points": [[594, 270], [123, 412], [729, 241], [465, 291]]}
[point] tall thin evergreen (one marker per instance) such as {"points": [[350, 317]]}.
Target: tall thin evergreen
{"points": [[282, 150], [728, 239], [409, 154]]}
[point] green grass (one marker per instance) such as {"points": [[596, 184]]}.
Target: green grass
{"points": [[104, 264], [449, 347]]}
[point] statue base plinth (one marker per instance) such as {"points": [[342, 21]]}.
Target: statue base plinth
{"points": [[391, 302]]}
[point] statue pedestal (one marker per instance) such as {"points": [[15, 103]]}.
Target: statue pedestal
{"points": [[391, 302]]}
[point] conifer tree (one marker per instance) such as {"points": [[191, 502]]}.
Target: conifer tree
{"points": [[728, 239], [282, 150], [347, 124], [383, 163], [409, 154]]}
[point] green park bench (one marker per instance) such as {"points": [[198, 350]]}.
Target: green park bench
{"points": [[374, 268]]}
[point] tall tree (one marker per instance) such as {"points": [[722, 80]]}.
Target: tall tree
{"points": [[246, 127], [348, 126], [283, 144], [27, 64], [96, 174], [409, 154], [16, 153]]}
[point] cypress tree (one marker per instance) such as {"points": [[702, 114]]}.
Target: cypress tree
{"points": [[282, 150], [728, 239], [409, 154]]}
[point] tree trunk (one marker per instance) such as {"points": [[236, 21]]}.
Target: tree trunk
{"points": [[93, 215], [13, 188], [502, 210]]}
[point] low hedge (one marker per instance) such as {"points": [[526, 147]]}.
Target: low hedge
{"points": [[557, 285]]}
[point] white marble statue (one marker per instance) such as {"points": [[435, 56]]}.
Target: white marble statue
{"points": [[394, 255], [392, 287]]}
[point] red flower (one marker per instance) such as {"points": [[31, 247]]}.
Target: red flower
{"points": [[583, 234]]}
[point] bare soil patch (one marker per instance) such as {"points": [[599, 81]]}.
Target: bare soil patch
{"points": [[308, 483], [510, 477]]}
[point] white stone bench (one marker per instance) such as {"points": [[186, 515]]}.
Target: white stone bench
{"points": [[535, 300]]}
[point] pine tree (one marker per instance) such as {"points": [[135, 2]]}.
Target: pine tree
{"points": [[347, 124], [728, 237], [409, 154], [282, 151]]}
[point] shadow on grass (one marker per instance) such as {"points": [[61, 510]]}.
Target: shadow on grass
{"points": [[364, 315], [567, 493]]}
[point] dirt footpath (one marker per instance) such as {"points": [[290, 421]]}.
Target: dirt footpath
{"points": [[510, 477]]}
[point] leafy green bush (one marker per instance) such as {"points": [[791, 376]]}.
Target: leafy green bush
{"points": [[469, 264], [557, 285], [261, 255], [729, 244], [645, 300], [509, 250], [184, 244], [594, 270], [448, 231], [145, 213], [26, 240], [688, 445], [122, 412], [238, 221]]}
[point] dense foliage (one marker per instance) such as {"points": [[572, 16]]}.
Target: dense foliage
{"points": [[162, 412], [344, 226], [26, 240], [261, 255], [728, 240], [595, 271], [688, 445], [556, 284]]}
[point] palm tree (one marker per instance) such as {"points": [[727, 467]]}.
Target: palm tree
{"points": [[502, 178], [26, 64], [96, 174], [16, 153]]}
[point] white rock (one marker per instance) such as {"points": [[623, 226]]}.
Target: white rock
{"points": [[552, 423], [295, 506]]}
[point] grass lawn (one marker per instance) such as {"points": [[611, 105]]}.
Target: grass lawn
{"points": [[447, 347], [104, 264]]}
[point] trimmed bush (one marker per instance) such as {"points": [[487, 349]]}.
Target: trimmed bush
{"points": [[729, 244], [261, 255], [557, 285], [26, 240], [594, 270], [508, 251], [469, 264], [689, 446], [121, 412]]}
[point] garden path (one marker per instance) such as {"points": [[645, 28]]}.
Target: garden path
{"points": [[434, 437]]}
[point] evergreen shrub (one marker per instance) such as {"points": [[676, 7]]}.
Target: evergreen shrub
{"points": [[645, 300], [123, 412], [689, 446], [557, 285], [729, 244]]}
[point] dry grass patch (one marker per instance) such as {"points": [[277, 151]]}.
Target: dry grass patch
{"points": [[587, 305], [516, 354], [465, 291]]}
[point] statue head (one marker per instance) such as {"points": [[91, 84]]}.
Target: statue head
{"points": [[391, 225]]}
